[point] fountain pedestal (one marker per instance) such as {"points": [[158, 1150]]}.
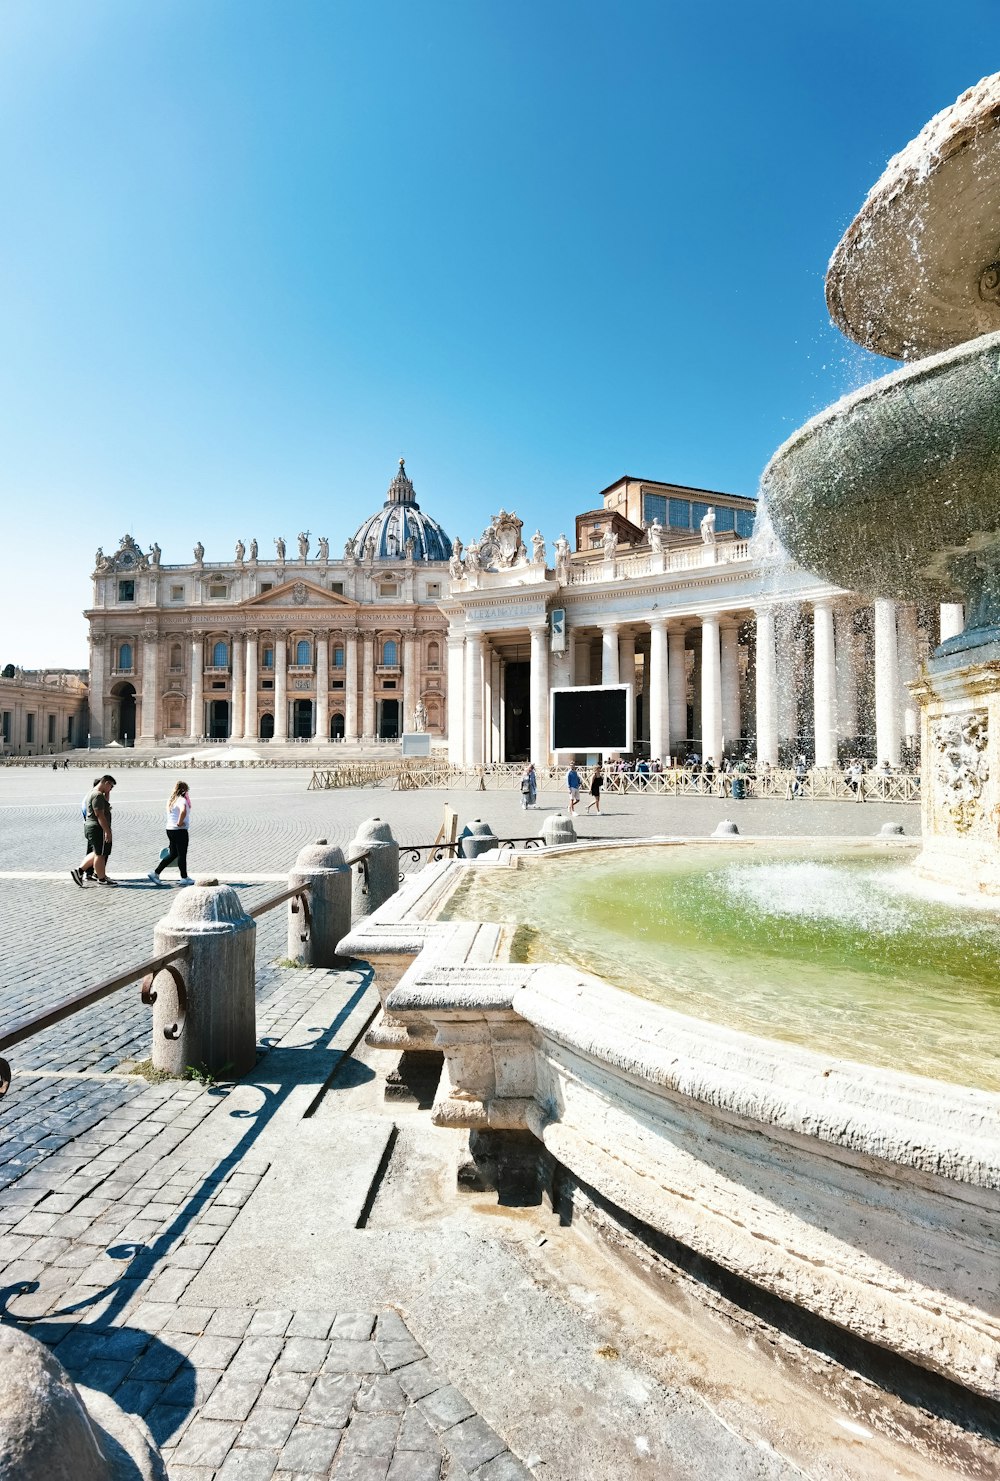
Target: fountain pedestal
{"points": [[959, 698]]}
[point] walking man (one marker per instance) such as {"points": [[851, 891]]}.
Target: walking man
{"points": [[97, 833], [573, 785]]}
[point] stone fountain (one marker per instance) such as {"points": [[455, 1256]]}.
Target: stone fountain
{"points": [[895, 490]]}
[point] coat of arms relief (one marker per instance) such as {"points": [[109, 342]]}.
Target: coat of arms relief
{"points": [[961, 767]]}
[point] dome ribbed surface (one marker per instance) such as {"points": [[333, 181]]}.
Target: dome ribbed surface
{"points": [[401, 519]]}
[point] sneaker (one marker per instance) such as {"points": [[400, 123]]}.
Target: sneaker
{"points": [[89, 874], [153, 877], [76, 875], [111, 883], [186, 879]]}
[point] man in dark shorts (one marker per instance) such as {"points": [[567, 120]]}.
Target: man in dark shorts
{"points": [[97, 833]]}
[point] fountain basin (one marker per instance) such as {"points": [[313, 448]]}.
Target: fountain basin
{"points": [[865, 1196], [893, 490]]}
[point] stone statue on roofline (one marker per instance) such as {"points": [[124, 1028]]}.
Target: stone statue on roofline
{"points": [[455, 566], [610, 543], [279, 547], [199, 553], [241, 551], [253, 550], [154, 554], [303, 545], [708, 527], [323, 548], [538, 548], [562, 558], [656, 537], [472, 556]]}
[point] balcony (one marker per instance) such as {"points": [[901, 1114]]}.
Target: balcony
{"points": [[217, 669], [388, 668], [300, 669]]}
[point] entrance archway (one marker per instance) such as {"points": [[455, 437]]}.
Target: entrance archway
{"points": [[123, 714], [388, 719], [218, 719], [302, 719], [517, 711], [267, 727], [337, 727]]}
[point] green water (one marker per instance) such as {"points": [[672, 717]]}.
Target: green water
{"points": [[828, 947]]}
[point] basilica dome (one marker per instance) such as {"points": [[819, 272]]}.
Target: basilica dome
{"points": [[401, 519]]}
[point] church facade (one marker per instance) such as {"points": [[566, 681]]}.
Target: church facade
{"points": [[308, 647]]}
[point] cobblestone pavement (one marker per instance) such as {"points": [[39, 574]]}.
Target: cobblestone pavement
{"points": [[111, 1201]]}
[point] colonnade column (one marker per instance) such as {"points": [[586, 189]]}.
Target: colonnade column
{"points": [[496, 708], [150, 688], [196, 718], [909, 667], [846, 661], [886, 683], [539, 694], [610, 666], [351, 731], [238, 703], [474, 699], [824, 685], [368, 686], [98, 654], [952, 620], [711, 690], [322, 711], [766, 690], [626, 673], [581, 661], [730, 685], [677, 689], [659, 713], [411, 693], [456, 700], [280, 687], [786, 709], [250, 706]]}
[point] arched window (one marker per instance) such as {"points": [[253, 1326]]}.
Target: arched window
{"points": [[389, 653], [267, 657], [302, 652], [220, 655], [338, 658], [176, 656], [433, 655], [125, 658]]}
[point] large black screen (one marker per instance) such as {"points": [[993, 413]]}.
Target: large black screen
{"points": [[593, 718]]}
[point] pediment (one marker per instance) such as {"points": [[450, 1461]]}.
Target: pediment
{"points": [[298, 594]]}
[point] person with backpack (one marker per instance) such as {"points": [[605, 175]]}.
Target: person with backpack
{"points": [[97, 834], [178, 829]]}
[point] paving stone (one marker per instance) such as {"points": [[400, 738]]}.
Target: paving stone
{"points": [[445, 1407], [352, 1326], [414, 1465], [232, 1398], [504, 1467], [397, 1353], [256, 1357], [191, 1473], [418, 1379], [270, 1323], [310, 1447], [167, 1422], [287, 1390], [331, 1400], [206, 1442], [193, 1388], [360, 1467], [309, 1323], [192, 1319], [352, 1357], [302, 1355], [135, 1397], [247, 1465], [472, 1442], [380, 1395], [152, 1316], [371, 1434], [214, 1352], [416, 1434], [268, 1428], [229, 1321]]}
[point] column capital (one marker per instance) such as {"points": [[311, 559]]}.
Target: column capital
{"points": [[249, 634]]}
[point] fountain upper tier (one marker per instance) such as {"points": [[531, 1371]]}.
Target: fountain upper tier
{"points": [[918, 270]]}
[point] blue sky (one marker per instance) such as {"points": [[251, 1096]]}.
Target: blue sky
{"points": [[254, 252]]}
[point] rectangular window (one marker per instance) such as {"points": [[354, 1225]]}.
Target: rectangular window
{"points": [[337, 684], [177, 593], [388, 589], [725, 519], [654, 508], [433, 588], [52, 730], [218, 683], [389, 684], [266, 586], [29, 728], [679, 514], [267, 684], [698, 512], [218, 593], [338, 658], [126, 591], [6, 727], [338, 587], [69, 731], [267, 658], [744, 523]]}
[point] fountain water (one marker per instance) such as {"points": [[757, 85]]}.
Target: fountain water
{"points": [[893, 490]]}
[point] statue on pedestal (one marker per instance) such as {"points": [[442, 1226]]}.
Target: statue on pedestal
{"points": [[154, 554], [708, 527], [199, 553], [303, 545], [279, 547], [241, 551], [656, 536], [538, 548], [562, 559], [419, 716], [253, 550], [323, 549], [610, 543]]}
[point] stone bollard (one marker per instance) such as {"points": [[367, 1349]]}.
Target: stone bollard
{"points": [[321, 866], [558, 829], [891, 830], [476, 838], [726, 829], [51, 1431], [219, 1029], [373, 884]]}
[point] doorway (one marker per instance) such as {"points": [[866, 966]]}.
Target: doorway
{"points": [[218, 719], [517, 711], [302, 719], [388, 719]]}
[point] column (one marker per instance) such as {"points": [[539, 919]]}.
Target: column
{"points": [[610, 667], [766, 688], [908, 660], [237, 701], [456, 700], [730, 684], [280, 687], [250, 699], [846, 661], [368, 686], [886, 683], [711, 690], [496, 707], [952, 620], [677, 691], [539, 693], [787, 650], [95, 698], [657, 697], [824, 685], [581, 661], [196, 717], [351, 684], [411, 681], [150, 689], [474, 699], [321, 712]]}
